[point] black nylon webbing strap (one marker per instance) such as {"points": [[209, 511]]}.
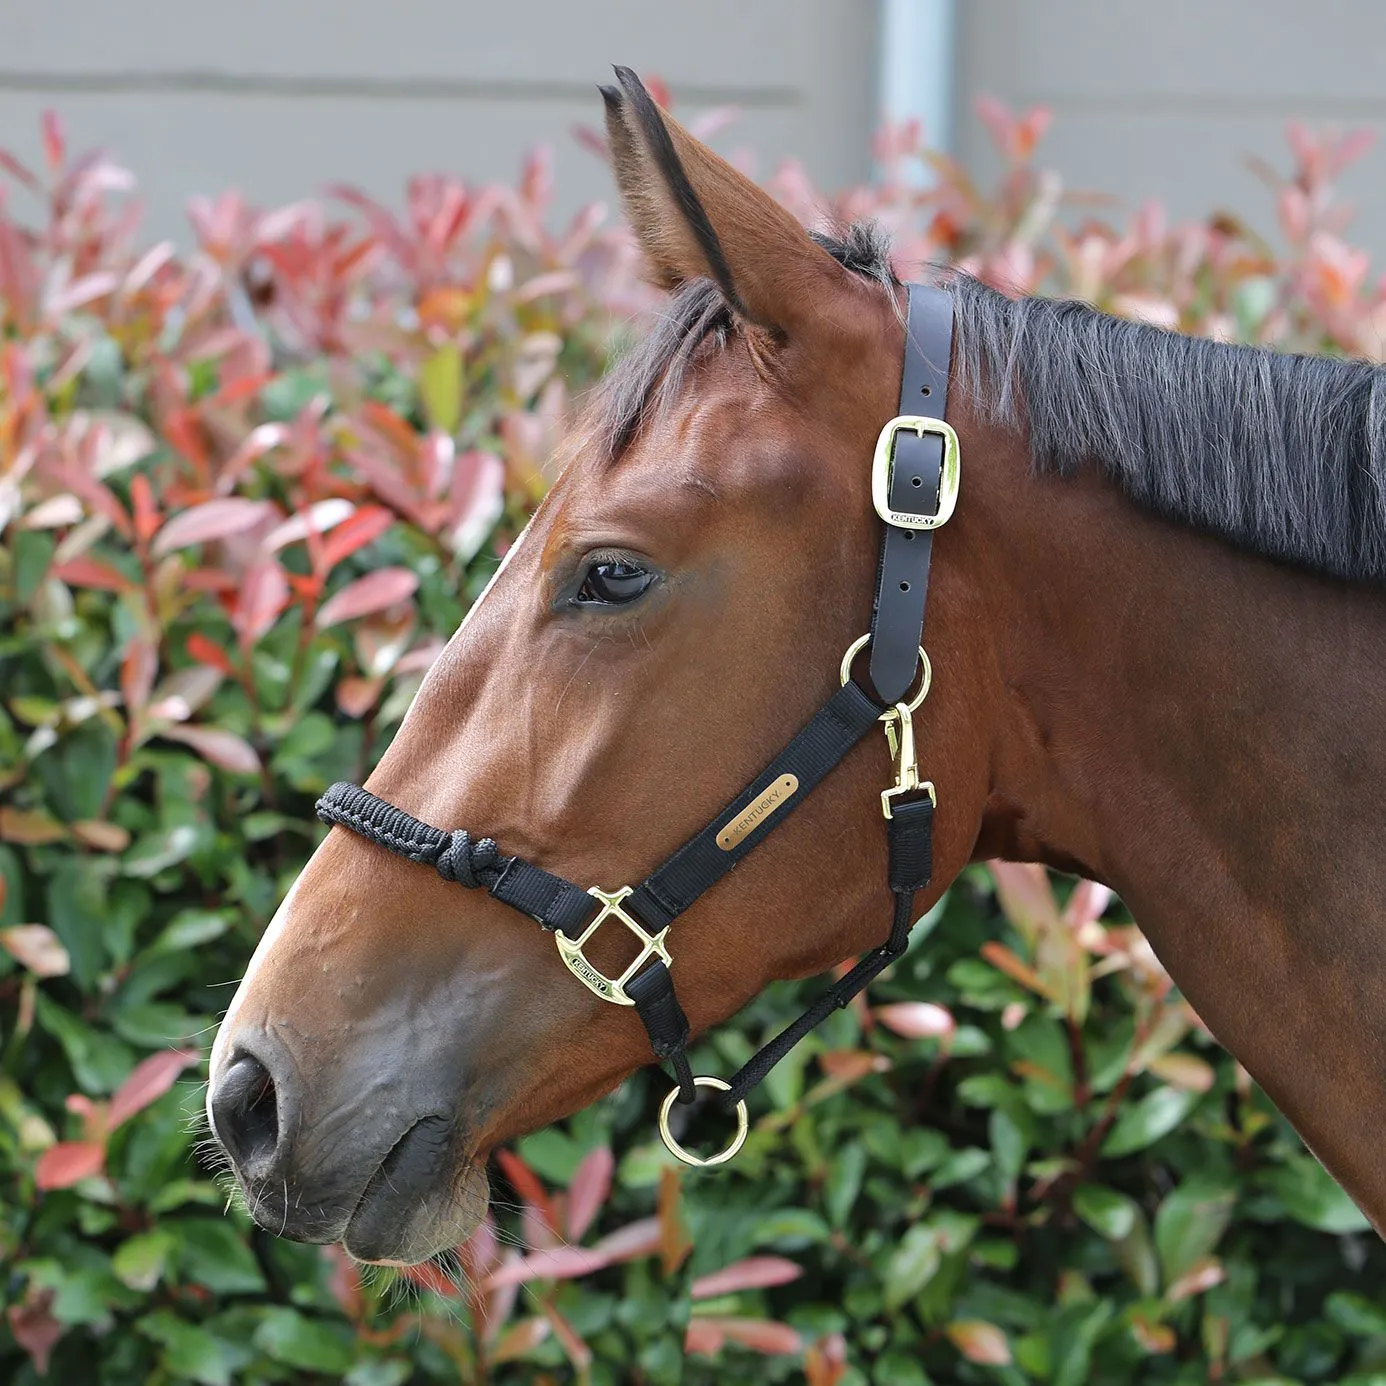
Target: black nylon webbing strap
{"points": [[902, 578], [822, 742]]}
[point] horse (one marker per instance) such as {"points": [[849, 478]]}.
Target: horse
{"points": [[1157, 636]]}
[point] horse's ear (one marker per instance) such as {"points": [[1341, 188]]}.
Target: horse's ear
{"points": [[696, 216]]}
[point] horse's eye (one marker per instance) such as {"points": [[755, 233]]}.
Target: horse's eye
{"points": [[613, 584]]}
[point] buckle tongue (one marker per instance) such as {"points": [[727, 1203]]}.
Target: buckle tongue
{"points": [[883, 465], [611, 989]]}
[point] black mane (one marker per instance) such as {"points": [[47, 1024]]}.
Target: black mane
{"points": [[1281, 454]]}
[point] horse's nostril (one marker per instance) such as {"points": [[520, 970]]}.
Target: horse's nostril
{"points": [[245, 1113]]}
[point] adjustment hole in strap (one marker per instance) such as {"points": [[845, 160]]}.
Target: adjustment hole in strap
{"points": [[680, 1152]]}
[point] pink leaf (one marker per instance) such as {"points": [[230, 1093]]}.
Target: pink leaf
{"points": [[90, 572], [589, 1189], [213, 519], [519, 1339], [373, 592], [1026, 897], [1202, 1275], [150, 1079], [916, 1019], [223, 748], [264, 594], [34, 1327], [68, 1163], [37, 947], [754, 1273], [707, 1334], [316, 519]]}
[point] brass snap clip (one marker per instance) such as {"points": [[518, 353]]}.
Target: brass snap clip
{"points": [[743, 1124], [899, 732]]}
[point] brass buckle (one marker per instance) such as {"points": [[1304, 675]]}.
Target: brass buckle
{"points": [[883, 461], [743, 1123], [611, 989]]}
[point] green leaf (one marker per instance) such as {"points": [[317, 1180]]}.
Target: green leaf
{"points": [[100, 1062], [912, 1265], [212, 1253], [440, 388], [1110, 1214], [298, 1341], [1190, 1223], [190, 1351], [140, 1261], [1145, 1122], [76, 771], [33, 552], [1356, 1314], [77, 914], [1310, 1196], [1008, 1146], [158, 851]]}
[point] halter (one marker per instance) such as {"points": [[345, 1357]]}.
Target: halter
{"points": [[914, 487]]}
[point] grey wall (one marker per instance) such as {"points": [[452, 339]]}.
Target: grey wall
{"points": [[1166, 98], [279, 97]]}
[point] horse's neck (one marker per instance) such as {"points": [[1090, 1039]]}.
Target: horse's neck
{"points": [[1207, 732]]}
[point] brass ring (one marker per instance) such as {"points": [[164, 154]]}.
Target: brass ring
{"points": [[926, 674], [743, 1123]]}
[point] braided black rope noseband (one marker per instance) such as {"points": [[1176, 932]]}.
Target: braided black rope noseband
{"points": [[914, 487]]}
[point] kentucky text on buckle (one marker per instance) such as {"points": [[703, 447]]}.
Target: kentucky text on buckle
{"points": [[884, 458]]}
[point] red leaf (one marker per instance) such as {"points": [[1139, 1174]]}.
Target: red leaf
{"points": [[374, 592], [356, 696], [89, 572], [146, 508], [149, 1081], [223, 748], [367, 525], [213, 519], [317, 518], [525, 1183], [754, 1273], [589, 1189], [68, 1163], [428, 1276], [34, 1327], [54, 140], [518, 1339], [204, 651]]}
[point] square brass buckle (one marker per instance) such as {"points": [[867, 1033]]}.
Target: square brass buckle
{"points": [[882, 465], [611, 989]]}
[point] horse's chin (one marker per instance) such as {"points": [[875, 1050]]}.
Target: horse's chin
{"points": [[405, 1227]]}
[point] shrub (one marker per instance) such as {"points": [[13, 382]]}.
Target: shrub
{"points": [[245, 494]]}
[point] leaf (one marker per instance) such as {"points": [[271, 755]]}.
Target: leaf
{"points": [[105, 837], [916, 1019], [1110, 1214], [1144, 1122], [754, 1273], [1190, 1222], [37, 947], [34, 1327], [1001, 958], [223, 748], [519, 1340], [68, 1163], [32, 827], [1026, 898], [264, 595], [206, 652], [913, 1263], [590, 1186], [364, 527], [317, 518], [140, 1261], [212, 1253], [1311, 1197], [85, 571], [1200, 1276], [298, 1341], [151, 1079], [374, 592], [707, 1334], [440, 388], [212, 520], [980, 1341], [1187, 1072]]}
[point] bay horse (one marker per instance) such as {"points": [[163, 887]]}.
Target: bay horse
{"points": [[1158, 637]]}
